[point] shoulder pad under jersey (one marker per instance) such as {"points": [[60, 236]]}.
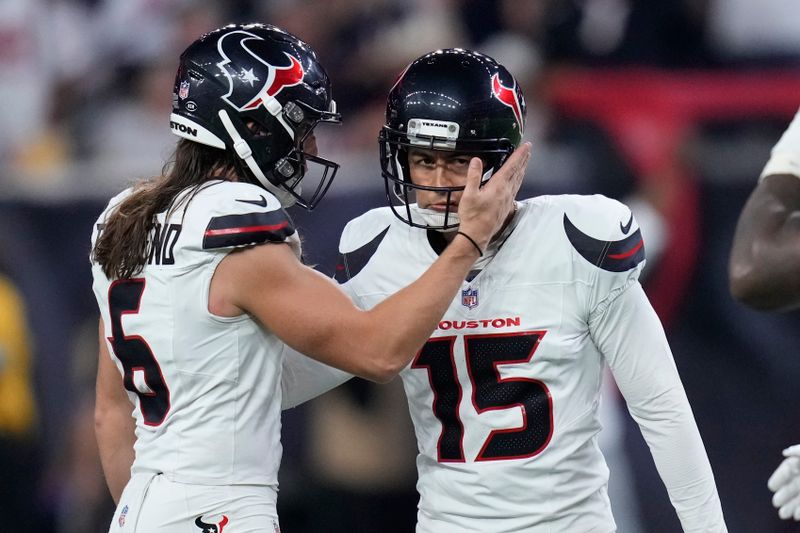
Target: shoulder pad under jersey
{"points": [[604, 232], [233, 215], [359, 242]]}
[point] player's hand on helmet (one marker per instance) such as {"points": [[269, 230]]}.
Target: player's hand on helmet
{"points": [[482, 211], [785, 483]]}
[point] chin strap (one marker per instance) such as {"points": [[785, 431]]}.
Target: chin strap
{"points": [[244, 151], [434, 219]]}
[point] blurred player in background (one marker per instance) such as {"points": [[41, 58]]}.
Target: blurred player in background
{"points": [[19, 455], [199, 281], [765, 271], [504, 395]]}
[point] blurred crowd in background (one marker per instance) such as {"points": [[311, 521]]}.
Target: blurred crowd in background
{"points": [[669, 105]]}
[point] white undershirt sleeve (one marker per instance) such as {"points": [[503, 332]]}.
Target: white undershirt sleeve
{"points": [[628, 332], [304, 378], [785, 155]]}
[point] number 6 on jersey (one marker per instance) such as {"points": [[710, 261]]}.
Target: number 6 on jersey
{"points": [[142, 372]]}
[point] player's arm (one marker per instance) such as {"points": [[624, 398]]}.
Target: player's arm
{"points": [[629, 334], [764, 266], [114, 424], [308, 311], [765, 259]]}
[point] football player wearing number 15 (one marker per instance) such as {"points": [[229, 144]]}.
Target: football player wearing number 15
{"points": [[198, 277], [504, 395]]}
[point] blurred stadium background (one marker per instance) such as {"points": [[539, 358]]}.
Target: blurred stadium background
{"points": [[669, 105]]}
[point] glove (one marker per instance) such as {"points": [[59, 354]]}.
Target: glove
{"points": [[785, 483]]}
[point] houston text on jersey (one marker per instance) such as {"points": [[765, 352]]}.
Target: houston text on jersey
{"points": [[496, 323]]}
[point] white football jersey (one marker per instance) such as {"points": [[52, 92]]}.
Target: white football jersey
{"points": [[504, 396], [206, 389]]}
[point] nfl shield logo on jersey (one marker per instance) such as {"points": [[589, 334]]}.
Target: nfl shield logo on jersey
{"points": [[469, 298], [122, 515], [183, 90]]}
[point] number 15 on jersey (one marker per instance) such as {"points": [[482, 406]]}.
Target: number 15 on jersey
{"points": [[485, 355]]}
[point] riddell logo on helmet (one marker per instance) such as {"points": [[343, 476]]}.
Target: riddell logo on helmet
{"points": [[183, 128]]}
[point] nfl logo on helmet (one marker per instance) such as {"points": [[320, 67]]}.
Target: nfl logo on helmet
{"points": [[469, 298]]}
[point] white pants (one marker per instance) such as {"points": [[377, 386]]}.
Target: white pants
{"points": [[152, 504]]}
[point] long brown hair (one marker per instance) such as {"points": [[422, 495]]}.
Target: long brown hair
{"points": [[123, 246]]}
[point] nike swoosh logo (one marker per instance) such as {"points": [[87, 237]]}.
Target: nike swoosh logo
{"points": [[260, 203], [627, 227]]}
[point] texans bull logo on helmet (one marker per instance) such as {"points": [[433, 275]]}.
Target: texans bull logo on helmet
{"points": [[508, 95], [249, 88]]}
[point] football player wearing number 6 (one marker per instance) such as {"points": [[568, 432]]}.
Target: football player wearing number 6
{"points": [[504, 395], [199, 282]]}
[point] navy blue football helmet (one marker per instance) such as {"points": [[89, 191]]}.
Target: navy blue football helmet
{"points": [[454, 100], [259, 91]]}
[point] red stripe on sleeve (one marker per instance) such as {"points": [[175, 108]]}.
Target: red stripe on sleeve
{"points": [[629, 252], [245, 229]]}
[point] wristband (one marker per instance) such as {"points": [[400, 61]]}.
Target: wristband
{"points": [[470, 239]]}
